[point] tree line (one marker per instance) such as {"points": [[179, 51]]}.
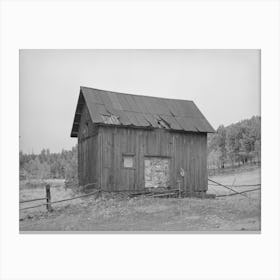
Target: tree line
{"points": [[47, 165], [236, 144], [232, 145]]}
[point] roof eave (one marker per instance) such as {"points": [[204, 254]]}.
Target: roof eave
{"points": [[74, 131]]}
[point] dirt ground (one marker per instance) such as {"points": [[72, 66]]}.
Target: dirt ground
{"points": [[143, 214]]}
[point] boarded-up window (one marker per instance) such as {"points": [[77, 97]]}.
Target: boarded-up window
{"points": [[156, 172], [128, 161]]}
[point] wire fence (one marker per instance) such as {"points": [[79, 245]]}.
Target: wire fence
{"points": [[49, 203], [234, 192]]}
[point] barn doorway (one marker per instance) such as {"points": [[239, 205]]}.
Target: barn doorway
{"points": [[156, 172]]}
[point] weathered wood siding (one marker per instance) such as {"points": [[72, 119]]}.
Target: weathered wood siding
{"points": [[185, 150], [87, 150]]}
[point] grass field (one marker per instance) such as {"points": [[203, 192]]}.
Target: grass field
{"points": [[120, 213]]}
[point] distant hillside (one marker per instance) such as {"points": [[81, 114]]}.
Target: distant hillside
{"points": [[235, 144]]}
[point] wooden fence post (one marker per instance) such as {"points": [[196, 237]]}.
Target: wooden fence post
{"points": [[183, 174], [48, 197], [179, 187]]}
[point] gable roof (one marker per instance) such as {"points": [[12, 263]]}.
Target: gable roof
{"points": [[121, 109]]}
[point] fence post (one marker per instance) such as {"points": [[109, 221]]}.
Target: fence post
{"points": [[48, 197], [183, 174], [179, 188]]}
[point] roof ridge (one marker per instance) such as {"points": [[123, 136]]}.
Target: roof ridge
{"points": [[158, 97]]}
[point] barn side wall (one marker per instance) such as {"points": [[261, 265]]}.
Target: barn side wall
{"points": [[88, 164], [185, 150]]}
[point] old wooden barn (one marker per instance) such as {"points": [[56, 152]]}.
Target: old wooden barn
{"points": [[129, 142]]}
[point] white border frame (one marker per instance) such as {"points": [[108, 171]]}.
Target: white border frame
{"points": [[155, 24]]}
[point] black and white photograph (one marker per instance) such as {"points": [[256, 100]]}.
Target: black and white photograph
{"points": [[140, 140]]}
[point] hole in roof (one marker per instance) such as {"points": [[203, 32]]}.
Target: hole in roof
{"points": [[112, 119]]}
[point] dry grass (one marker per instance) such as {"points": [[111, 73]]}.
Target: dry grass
{"points": [[39, 184]]}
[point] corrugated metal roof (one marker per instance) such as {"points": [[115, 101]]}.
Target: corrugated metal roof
{"points": [[113, 108]]}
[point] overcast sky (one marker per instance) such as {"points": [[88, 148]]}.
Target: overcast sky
{"points": [[224, 84]]}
